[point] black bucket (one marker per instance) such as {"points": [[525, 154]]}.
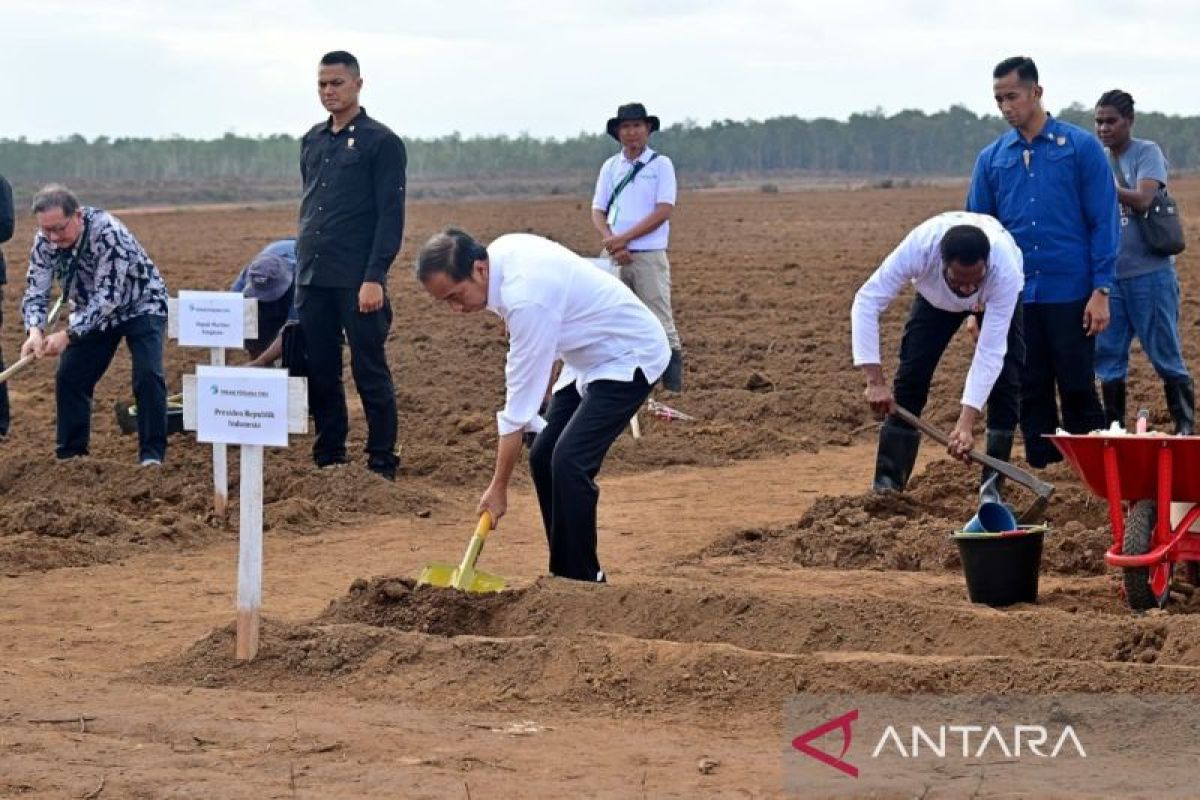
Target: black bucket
{"points": [[1002, 568], [127, 417]]}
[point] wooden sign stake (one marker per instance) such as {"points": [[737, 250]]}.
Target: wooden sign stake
{"points": [[250, 551], [220, 457], [250, 512]]}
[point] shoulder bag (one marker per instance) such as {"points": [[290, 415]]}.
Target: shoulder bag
{"points": [[1160, 224]]}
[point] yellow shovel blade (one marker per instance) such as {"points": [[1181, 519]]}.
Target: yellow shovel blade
{"points": [[446, 577], [465, 576]]}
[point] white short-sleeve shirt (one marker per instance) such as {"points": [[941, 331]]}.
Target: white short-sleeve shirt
{"points": [[654, 184]]}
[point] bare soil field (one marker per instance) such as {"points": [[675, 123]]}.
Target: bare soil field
{"points": [[747, 564]]}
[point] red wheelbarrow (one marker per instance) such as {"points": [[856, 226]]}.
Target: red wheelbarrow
{"points": [[1142, 477]]}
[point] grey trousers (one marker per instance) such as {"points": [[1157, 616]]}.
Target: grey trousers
{"points": [[649, 276]]}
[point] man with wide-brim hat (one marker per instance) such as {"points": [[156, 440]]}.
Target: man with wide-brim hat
{"points": [[631, 112], [631, 208]]}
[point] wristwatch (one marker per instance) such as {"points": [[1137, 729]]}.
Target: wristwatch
{"points": [[1104, 290]]}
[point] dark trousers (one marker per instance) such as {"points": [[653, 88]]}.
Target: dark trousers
{"points": [[325, 313], [1062, 355], [83, 363], [927, 333], [5, 418], [564, 461]]}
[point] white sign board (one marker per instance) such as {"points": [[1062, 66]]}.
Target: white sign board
{"points": [[242, 405], [211, 319]]}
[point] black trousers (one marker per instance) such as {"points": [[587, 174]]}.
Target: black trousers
{"points": [[927, 334], [565, 459], [5, 418], [1061, 355], [80, 368], [325, 314]]}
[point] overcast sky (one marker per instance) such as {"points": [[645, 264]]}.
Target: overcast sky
{"points": [[202, 68]]}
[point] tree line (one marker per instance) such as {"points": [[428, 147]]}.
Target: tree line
{"points": [[908, 143]]}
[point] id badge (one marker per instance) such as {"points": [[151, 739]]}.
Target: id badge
{"points": [[612, 214]]}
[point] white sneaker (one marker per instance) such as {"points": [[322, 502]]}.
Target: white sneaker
{"points": [[151, 462]]}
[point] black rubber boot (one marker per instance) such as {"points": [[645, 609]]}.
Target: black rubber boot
{"points": [[991, 483], [1113, 395], [895, 458], [672, 379], [1181, 402]]}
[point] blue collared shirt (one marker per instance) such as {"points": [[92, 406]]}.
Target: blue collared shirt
{"points": [[1057, 198]]}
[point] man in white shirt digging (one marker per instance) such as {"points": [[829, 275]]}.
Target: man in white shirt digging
{"points": [[556, 305], [961, 265]]}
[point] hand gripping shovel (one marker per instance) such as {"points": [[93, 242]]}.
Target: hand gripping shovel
{"points": [[1043, 491], [25, 361], [465, 576]]}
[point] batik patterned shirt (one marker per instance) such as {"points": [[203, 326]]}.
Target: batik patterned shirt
{"points": [[112, 279]]}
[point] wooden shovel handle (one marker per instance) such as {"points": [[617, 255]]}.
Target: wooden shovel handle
{"points": [[1016, 474], [27, 360], [15, 368]]}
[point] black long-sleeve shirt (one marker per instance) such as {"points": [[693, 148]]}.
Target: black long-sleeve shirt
{"points": [[8, 221], [352, 209]]}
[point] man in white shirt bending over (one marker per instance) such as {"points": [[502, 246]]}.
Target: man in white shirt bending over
{"points": [[961, 265], [556, 305]]}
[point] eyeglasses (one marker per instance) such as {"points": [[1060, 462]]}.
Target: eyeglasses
{"points": [[59, 229]]}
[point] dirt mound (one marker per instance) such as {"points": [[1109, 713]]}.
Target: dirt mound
{"points": [[647, 647], [87, 511], [910, 530], [96, 510], [301, 498]]}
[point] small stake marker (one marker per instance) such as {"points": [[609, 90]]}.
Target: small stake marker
{"points": [[211, 318]]}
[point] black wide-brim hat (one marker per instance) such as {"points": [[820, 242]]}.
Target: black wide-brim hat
{"points": [[628, 113]]}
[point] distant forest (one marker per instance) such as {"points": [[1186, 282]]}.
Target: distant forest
{"points": [[907, 144]]}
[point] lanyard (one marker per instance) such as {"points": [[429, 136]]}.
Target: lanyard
{"points": [[67, 268], [629, 176]]}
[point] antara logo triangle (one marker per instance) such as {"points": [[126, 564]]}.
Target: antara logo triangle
{"points": [[843, 723]]}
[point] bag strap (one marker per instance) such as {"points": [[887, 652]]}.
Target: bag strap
{"points": [[629, 176], [1116, 168]]}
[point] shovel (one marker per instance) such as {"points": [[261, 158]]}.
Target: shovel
{"points": [[24, 362], [1043, 491], [19, 365], [465, 576]]}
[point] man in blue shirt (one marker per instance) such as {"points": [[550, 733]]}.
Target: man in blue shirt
{"points": [[1049, 184]]}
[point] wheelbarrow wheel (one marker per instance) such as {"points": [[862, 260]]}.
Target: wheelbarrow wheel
{"points": [[1140, 582]]}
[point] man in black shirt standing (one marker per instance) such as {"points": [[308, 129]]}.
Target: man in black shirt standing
{"points": [[351, 228]]}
